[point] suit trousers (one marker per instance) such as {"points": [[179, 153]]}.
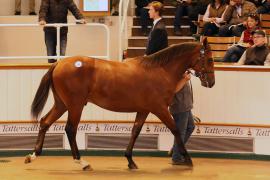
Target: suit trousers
{"points": [[51, 43], [31, 5]]}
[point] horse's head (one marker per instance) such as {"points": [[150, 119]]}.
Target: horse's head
{"points": [[204, 65]]}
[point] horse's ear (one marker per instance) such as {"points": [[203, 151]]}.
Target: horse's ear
{"points": [[204, 42]]}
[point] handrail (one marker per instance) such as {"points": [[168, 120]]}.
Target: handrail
{"points": [[123, 9], [58, 26]]}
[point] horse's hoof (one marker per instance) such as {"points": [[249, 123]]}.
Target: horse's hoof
{"points": [[87, 168], [27, 159], [132, 166]]}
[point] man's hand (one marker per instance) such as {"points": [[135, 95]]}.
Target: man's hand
{"points": [[81, 21], [42, 23], [186, 76], [213, 20]]}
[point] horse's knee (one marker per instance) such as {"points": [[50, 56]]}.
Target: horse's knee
{"points": [[43, 125]]}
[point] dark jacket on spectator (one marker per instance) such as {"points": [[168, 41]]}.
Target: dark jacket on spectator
{"points": [[157, 39], [231, 16], [56, 11], [256, 55]]}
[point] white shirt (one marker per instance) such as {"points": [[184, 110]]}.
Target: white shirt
{"points": [[155, 21]]}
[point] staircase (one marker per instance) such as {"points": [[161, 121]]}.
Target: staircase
{"points": [[137, 42]]}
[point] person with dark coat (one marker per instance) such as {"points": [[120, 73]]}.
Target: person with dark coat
{"points": [[56, 11], [158, 37], [142, 12]]}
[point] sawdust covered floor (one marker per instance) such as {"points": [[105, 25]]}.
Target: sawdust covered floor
{"points": [[109, 168]]}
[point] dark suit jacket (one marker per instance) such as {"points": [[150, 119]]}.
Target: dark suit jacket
{"points": [[157, 39]]}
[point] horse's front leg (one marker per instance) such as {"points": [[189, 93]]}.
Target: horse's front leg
{"points": [[165, 116], [139, 121]]}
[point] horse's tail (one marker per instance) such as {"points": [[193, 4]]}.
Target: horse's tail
{"points": [[42, 93]]}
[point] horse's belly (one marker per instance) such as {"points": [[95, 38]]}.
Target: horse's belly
{"points": [[118, 104]]}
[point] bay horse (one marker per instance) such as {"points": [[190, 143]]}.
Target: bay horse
{"points": [[141, 84]]}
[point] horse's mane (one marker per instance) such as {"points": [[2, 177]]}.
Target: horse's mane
{"points": [[168, 54]]}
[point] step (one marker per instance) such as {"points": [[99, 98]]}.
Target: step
{"points": [[169, 11], [139, 41], [169, 20], [134, 52], [167, 3], [136, 30]]}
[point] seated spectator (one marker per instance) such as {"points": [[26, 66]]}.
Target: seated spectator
{"points": [[213, 17], [31, 7], [191, 8], [264, 8], [142, 11], [235, 52], [235, 16], [258, 54], [115, 7]]}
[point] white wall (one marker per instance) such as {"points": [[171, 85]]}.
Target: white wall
{"points": [[237, 97]]}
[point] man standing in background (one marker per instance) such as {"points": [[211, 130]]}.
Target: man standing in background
{"points": [[56, 11], [158, 37]]}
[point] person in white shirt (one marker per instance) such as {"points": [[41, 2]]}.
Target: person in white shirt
{"points": [[213, 17]]}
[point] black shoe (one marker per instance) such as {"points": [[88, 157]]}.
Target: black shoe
{"points": [[17, 13], [179, 162], [177, 32], [115, 13], [32, 13]]}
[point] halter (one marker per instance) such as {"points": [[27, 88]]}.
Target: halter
{"points": [[202, 73]]}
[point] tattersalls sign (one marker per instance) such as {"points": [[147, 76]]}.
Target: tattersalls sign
{"points": [[126, 128], [259, 136]]}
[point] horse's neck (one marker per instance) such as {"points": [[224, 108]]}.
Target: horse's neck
{"points": [[177, 68]]}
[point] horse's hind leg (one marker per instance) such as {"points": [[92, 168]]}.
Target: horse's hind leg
{"points": [[139, 121], [74, 116], [55, 113], [168, 120]]}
